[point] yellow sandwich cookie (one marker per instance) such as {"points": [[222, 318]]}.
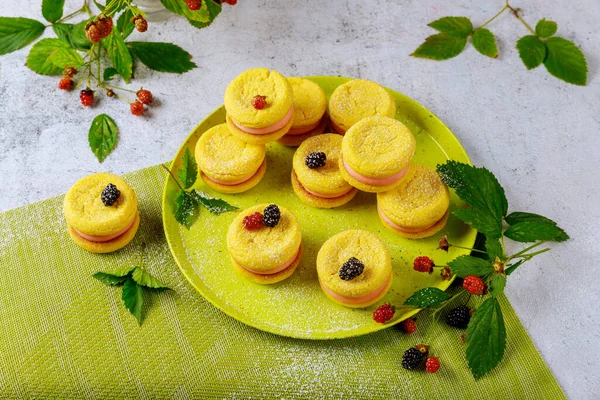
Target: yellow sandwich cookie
{"points": [[358, 99], [265, 240], [316, 177], [296, 140], [101, 212], [376, 153], [354, 268], [259, 106], [228, 164], [418, 207]]}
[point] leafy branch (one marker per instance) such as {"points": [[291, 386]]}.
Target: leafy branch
{"points": [[561, 57]]}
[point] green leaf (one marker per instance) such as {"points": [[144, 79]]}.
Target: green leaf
{"points": [[441, 46], [545, 28], [74, 34], [100, 6], [427, 297], [163, 57], [16, 33], [532, 231], [531, 50], [566, 61], [119, 54], [466, 265], [120, 271], [109, 279], [179, 7], [124, 24], [486, 338], [497, 284], [493, 248], [52, 10], [482, 221], [103, 136], [145, 279], [511, 268], [109, 73], [189, 171], [516, 217], [485, 42], [133, 298], [51, 56], [212, 204], [185, 209], [213, 8], [456, 26]]}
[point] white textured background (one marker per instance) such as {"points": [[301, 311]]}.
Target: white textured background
{"points": [[540, 136]]}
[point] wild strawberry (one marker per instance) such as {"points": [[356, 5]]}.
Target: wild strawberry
{"points": [[253, 222], [474, 285], [65, 83], [105, 25], [140, 23], [383, 313], [87, 97], [409, 326], [432, 365], [194, 4], [446, 273], [423, 264], [259, 102], [92, 32], [136, 108], [145, 96], [70, 72]]}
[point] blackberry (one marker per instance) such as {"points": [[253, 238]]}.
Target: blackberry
{"points": [[110, 194], [271, 215], [316, 159], [351, 269], [459, 317], [412, 359]]}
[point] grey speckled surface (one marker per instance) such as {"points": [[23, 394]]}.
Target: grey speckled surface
{"points": [[540, 136]]}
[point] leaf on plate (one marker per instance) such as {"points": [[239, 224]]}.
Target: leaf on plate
{"points": [[213, 9], [427, 297], [485, 42], [73, 34], [531, 50], [188, 173], [124, 24], [163, 57], [441, 46], [493, 248], [482, 221], [566, 61], [16, 33], [51, 56], [185, 208], [133, 297], [545, 28], [486, 338], [456, 26], [179, 7], [109, 73], [119, 54], [52, 10], [109, 279], [103, 136], [532, 231], [497, 284], [466, 265], [145, 279], [212, 204]]}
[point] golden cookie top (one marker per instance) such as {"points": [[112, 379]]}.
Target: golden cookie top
{"points": [[258, 82], [85, 211], [310, 102]]}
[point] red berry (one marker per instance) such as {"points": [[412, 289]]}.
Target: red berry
{"points": [[145, 96], [409, 326], [474, 285], [92, 32], [140, 23], [432, 365], [259, 102], [136, 108], [65, 83], [383, 313], [87, 97], [105, 25], [253, 222], [194, 4], [423, 264], [230, 2]]}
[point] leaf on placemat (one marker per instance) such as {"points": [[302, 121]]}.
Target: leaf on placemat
{"points": [[103, 136], [185, 208], [486, 338], [511, 268], [532, 231], [485, 42], [145, 279], [212, 204], [109, 73], [441, 46], [16, 33], [497, 284], [109, 279], [119, 54], [51, 56], [482, 221], [213, 8], [52, 10], [163, 57], [566, 61], [456, 26], [466, 265], [179, 7], [73, 34], [545, 28], [188, 173], [427, 297], [133, 297], [124, 24], [493, 248], [517, 217], [531, 50]]}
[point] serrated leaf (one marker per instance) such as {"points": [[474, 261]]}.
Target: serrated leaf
{"points": [[51, 56], [185, 209], [188, 173], [73, 34], [531, 50], [485, 42], [133, 297], [456, 26], [124, 24], [516, 217], [511, 268], [497, 284], [109, 73], [179, 7], [566, 61], [466, 265], [441, 46], [545, 28], [163, 57], [119, 54], [486, 338], [103, 136], [532, 231], [145, 279], [52, 10], [482, 221], [212, 204], [427, 297], [109, 279], [213, 9], [101, 7], [493, 248], [16, 33]]}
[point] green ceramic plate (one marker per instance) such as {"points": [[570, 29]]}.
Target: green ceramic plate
{"points": [[297, 307]]}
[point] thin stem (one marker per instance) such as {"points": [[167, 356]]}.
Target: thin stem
{"points": [[530, 255], [495, 16], [74, 13], [516, 13], [469, 248], [98, 78], [119, 88], [87, 9], [525, 250], [173, 176]]}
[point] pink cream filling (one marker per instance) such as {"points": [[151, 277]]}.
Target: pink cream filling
{"points": [[326, 196], [376, 181], [267, 129], [273, 270], [303, 129], [398, 227], [356, 300], [236, 182], [105, 238]]}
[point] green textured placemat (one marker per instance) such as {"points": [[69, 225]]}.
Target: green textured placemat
{"points": [[65, 335]]}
